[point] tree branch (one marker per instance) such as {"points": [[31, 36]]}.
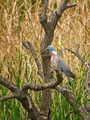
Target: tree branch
{"points": [[52, 85], [24, 97], [45, 6], [46, 74], [8, 97], [12, 87], [43, 16], [84, 111], [35, 87], [70, 6], [29, 46], [76, 53], [27, 102], [49, 28], [63, 89], [56, 15], [62, 7], [71, 100]]}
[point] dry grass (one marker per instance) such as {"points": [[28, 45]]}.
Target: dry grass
{"points": [[18, 22]]}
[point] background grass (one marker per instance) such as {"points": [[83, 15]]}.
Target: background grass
{"points": [[19, 20]]}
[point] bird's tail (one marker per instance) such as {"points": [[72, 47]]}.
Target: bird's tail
{"points": [[69, 81], [71, 74]]}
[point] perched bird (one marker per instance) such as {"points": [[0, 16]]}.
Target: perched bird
{"points": [[60, 64]]}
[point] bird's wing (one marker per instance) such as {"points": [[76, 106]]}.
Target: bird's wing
{"points": [[65, 68], [70, 74], [62, 65]]}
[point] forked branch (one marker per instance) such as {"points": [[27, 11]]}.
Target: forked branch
{"points": [[24, 97], [56, 15]]}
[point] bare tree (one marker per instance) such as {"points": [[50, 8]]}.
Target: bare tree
{"points": [[46, 73]]}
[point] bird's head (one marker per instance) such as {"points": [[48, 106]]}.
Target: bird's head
{"points": [[51, 50]]}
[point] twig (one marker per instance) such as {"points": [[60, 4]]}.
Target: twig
{"points": [[63, 89], [29, 101], [31, 49], [76, 53], [70, 6], [8, 97]]}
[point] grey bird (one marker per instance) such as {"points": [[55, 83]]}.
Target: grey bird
{"points": [[59, 64]]}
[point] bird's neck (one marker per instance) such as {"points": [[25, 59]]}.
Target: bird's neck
{"points": [[53, 56]]}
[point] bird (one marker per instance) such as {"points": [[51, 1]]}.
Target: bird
{"points": [[59, 64]]}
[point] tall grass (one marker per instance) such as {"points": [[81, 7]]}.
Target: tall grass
{"points": [[19, 20]]}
